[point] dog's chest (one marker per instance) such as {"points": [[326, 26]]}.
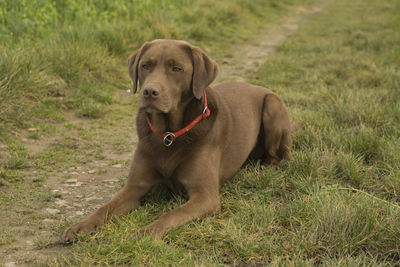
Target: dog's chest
{"points": [[166, 163], [167, 167], [167, 160]]}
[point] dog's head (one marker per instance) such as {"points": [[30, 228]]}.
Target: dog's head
{"points": [[169, 73]]}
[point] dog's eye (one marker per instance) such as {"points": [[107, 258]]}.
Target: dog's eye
{"points": [[176, 69], [145, 66]]}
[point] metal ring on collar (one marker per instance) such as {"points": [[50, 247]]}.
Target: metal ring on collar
{"points": [[169, 138], [204, 111]]}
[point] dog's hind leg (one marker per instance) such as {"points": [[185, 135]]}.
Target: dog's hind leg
{"points": [[276, 127]]}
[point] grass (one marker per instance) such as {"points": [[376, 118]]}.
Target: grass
{"points": [[63, 83], [58, 59], [71, 56], [335, 202]]}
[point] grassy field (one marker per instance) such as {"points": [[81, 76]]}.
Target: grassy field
{"points": [[335, 202], [59, 57]]}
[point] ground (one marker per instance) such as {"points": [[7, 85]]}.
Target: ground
{"points": [[334, 203], [76, 191]]}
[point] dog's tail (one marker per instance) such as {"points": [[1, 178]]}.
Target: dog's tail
{"points": [[294, 126]]}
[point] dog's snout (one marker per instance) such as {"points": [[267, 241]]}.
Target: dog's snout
{"points": [[151, 92]]}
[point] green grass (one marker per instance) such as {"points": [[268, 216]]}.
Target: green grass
{"points": [[335, 202], [60, 58], [63, 82]]}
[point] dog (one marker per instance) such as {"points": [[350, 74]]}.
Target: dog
{"points": [[193, 137]]}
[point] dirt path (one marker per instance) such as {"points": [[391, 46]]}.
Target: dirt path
{"points": [[80, 189], [247, 59]]}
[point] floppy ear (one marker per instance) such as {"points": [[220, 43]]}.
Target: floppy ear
{"points": [[133, 62], [204, 72]]}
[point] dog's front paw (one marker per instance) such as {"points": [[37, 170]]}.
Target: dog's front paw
{"points": [[85, 226], [154, 230]]}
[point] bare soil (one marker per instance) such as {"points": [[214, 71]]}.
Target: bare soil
{"points": [[247, 59]]}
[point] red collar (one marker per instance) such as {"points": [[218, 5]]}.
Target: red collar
{"points": [[168, 137]]}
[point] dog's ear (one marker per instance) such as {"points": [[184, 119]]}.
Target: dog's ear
{"points": [[204, 71], [133, 62]]}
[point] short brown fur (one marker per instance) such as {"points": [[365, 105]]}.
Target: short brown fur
{"points": [[245, 121]]}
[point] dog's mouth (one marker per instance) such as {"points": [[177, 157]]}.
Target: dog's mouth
{"points": [[151, 107]]}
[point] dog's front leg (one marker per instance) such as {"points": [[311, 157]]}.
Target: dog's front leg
{"points": [[202, 186], [140, 180], [199, 205]]}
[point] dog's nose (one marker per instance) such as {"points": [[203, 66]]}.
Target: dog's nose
{"points": [[151, 92]]}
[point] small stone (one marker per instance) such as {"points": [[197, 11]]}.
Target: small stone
{"points": [[77, 184], [49, 221], [71, 181], [128, 91], [83, 172], [74, 173], [78, 168], [55, 191], [61, 202], [30, 243], [77, 205], [111, 181], [90, 198], [52, 211], [71, 168], [91, 171], [79, 213], [32, 130], [9, 264], [65, 172], [117, 166], [79, 196]]}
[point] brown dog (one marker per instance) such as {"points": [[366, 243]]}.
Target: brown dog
{"points": [[192, 137]]}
